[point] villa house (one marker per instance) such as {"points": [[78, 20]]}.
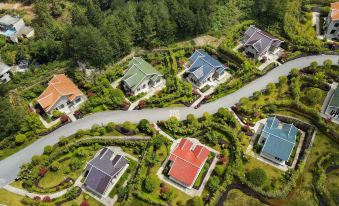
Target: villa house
{"points": [[331, 25], [186, 162], [333, 107], [278, 140], [103, 171], [61, 94], [14, 27], [141, 77], [202, 69], [4, 73], [258, 43]]}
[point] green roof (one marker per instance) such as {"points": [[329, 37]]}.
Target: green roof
{"points": [[335, 99], [138, 70]]}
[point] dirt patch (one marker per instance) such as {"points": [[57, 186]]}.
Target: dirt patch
{"points": [[207, 40]]}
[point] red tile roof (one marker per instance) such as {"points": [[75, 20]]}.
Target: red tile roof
{"points": [[60, 85], [187, 162], [335, 11]]}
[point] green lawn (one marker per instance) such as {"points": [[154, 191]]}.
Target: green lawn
{"points": [[333, 185], [78, 201], [10, 199], [274, 175], [238, 198], [53, 178]]}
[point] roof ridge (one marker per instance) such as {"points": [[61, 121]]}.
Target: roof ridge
{"points": [[176, 156]]}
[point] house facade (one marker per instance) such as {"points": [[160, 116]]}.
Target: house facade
{"points": [[5, 74], [13, 27], [62, 95], [278, 140], [186, 162], [203, 69], [333, 106], [331, 25], [103, 171], [141, 77], [258, 44]]}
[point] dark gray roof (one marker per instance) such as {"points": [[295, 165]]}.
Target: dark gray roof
{"points": [[103, 168], [203, 64], [97, 180], [260, 40]]}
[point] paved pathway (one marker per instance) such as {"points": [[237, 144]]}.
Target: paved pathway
{"points": [[10, 166], [162, 132], [23, 192]]}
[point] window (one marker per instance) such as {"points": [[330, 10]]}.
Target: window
{"points": [[277, 158], [78, 100], [332, 32]]}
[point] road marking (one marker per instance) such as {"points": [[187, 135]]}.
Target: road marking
{"points": [[175, 113]]}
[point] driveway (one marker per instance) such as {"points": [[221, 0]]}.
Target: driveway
{"points": [[10, 166]]}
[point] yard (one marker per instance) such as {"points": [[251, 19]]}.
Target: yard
{"points": [[274, 175], [237, 197]]}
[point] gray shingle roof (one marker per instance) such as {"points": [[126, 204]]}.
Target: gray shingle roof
{"points": [[103, 168], [203, 64], [9, 20], [260, 40], [280, 138]]}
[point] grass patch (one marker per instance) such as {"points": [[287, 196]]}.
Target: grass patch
{"points": [[333, 185], [237, 197], [274, 175], [8, 198]]}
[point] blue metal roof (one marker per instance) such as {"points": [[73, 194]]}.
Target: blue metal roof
{"points": [[203, 64], [280, 138]]}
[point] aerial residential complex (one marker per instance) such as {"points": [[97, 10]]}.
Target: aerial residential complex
{"points": [[169, 103]]}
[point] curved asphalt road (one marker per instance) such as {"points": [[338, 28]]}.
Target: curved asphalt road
{"points": [[10, 166]]}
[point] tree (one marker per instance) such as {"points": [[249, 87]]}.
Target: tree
{"points": [[282, 80], [55, 166], [313, 96], [11, 118], [48, 149], [150, 183], [110, 127], [256, 176], [244, 100], [270, 88], [219, 170], [195, 201], [20, 139], [213, 183], [96, 52], [295, 72], [256, 94], [75, 164], [144, 125], [314, 65], [328, 63], [129, 126]]}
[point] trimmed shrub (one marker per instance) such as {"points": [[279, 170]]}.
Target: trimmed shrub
{"points": [[20, 139]]}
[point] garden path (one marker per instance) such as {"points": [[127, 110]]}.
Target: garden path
{"points": [[10, 166], [155, 126], [23, 192]]}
